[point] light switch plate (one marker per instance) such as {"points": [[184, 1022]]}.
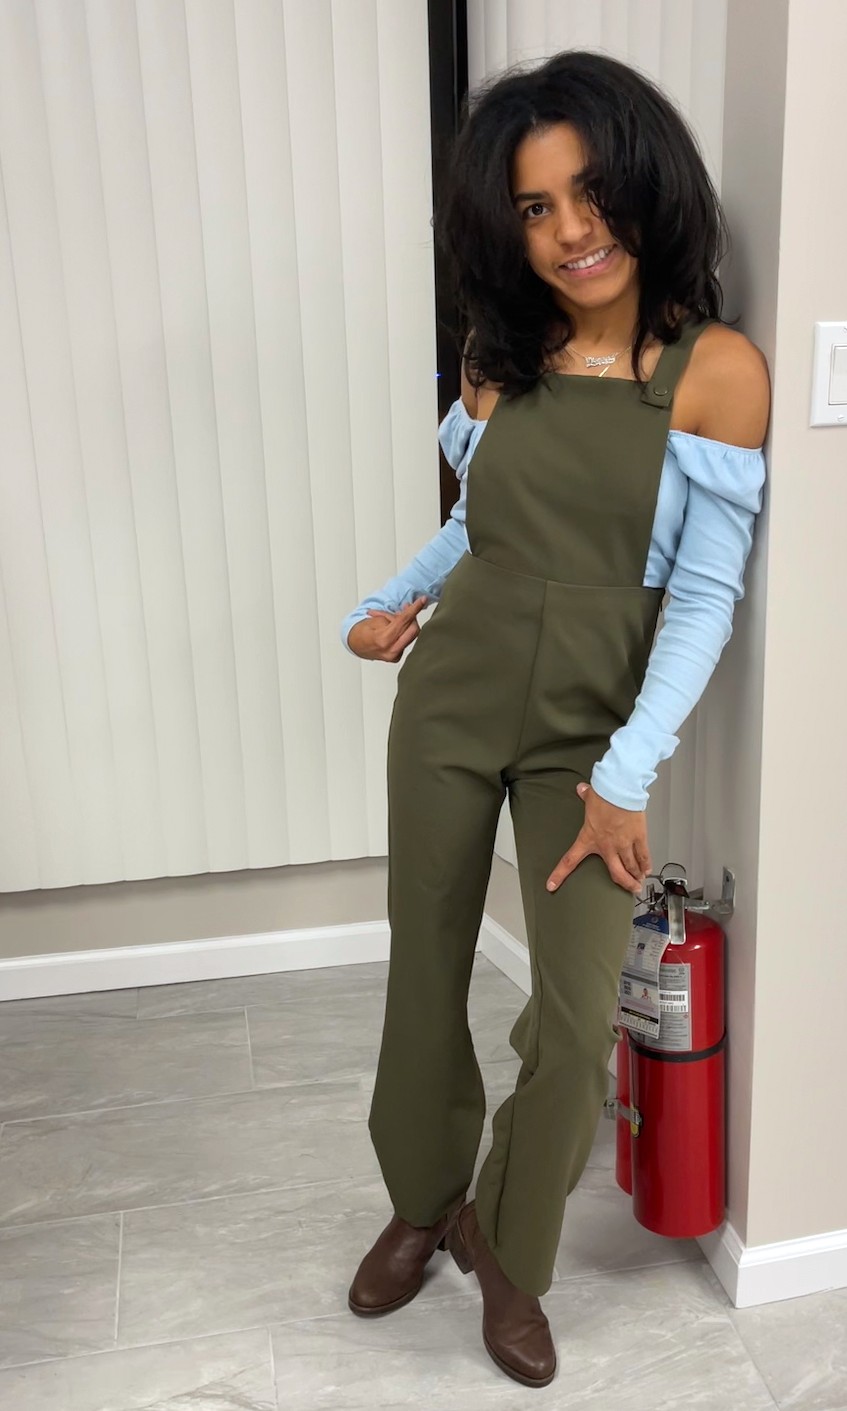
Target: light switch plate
{"points": [[826, 409]]}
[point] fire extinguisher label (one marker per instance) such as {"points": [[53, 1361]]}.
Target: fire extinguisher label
{"points": [[639, 1007], [654, 998], [675, 999]]}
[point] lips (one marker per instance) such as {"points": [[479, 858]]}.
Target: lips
{"points": [[604, 251]]}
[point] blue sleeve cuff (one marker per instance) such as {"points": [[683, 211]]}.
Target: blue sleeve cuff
{"points": [[424, 574]]}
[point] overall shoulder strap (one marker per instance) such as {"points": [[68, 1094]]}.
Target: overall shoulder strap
{"points": [[659, 389]]}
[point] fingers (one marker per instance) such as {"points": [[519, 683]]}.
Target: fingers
{"points": [[411, 610], [404, 614], [620, 837], [636, 861], [623, 867], [393, 631], [642, 853], [624, 870], [631, 882], [398, 647], [566, 864]]}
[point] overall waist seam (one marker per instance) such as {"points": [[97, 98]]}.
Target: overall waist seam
{"points": [[566, 583]]}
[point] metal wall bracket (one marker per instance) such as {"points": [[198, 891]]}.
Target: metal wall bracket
{"points": [[613, 1107], [724, 907]]}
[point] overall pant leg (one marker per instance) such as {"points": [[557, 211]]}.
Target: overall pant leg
{"points": [[461, 698], [543, 1132], [428, 1106]]}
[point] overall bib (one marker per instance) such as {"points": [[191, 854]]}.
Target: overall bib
{"points": [[533, 656]]}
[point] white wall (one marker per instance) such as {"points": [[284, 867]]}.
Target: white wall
{"points": [[801, 958], [730, 715]]}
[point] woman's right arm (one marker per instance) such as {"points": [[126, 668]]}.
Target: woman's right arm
{"points": [[425, 574]]}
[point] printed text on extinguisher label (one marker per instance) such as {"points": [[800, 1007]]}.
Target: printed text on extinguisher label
{"points": [[675, 990]]}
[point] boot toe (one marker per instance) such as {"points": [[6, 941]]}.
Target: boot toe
{"points": [[392, 1271], [369, 1303], [533, 1363], [379, 1286]]}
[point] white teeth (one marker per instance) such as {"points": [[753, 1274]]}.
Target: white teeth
{"points": [[592, 259]]}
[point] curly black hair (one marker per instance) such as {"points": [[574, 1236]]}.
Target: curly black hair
{"points": [[645, 178]]}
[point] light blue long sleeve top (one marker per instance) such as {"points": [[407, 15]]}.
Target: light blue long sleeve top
{"points": [[709, 495]]}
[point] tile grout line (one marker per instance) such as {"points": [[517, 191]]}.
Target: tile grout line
{"points": [[751, 1359], [249, 1051], [695, 1259], [181, 1204], [120, 1265], [137, 1347], [348, 1082], [457, 1296], [273, 1368]]}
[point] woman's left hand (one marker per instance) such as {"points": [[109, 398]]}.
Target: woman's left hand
{"points": [[619, 835]]}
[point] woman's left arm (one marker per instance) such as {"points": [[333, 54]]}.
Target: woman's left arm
{"points": [[726, 480]]}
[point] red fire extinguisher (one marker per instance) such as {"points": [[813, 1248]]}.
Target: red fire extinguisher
{"points": [[670, 1103]]}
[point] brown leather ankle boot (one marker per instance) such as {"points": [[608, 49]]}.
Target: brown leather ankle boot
{"points": [[515, 1330], [391, 1272]]}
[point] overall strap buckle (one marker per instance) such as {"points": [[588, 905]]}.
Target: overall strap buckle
{"points": [[658, 392]]}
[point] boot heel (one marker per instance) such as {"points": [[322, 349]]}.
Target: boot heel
{"points": [[452, 1215], [455, 1245]]}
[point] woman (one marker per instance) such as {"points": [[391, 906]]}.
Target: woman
{"points": [[584, 236]]}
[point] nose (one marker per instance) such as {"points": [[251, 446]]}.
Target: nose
{"points": [[572, 222]]}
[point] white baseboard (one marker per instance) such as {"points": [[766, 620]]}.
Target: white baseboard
{"points": [[769, 1273], [171, 962], [750, 1276], [222, 957]]}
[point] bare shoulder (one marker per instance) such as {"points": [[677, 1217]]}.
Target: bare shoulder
{"points": [[731, 387]]}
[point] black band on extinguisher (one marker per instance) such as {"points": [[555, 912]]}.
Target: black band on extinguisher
{"points": [[696, 1056]]}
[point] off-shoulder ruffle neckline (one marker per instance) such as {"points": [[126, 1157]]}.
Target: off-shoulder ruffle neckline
{"points": [[724, 445], [687, 435]]}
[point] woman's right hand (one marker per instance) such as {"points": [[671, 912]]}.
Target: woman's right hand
{"points": [[384, 636]]}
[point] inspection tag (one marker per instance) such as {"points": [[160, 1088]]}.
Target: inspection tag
{"points": [[639, 997]]}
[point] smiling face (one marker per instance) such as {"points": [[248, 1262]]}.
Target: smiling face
{"points": [[562, 227]]}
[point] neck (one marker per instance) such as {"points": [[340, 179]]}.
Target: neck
{"points": [[603, 330], [606, 328]]}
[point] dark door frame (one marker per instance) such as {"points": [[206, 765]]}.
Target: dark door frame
{"points": [[448, 83]]}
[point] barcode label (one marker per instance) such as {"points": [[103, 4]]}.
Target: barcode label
{"points": [[629, 1020], [673, 1001]]}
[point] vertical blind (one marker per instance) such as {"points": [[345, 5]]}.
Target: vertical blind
{"points": [[217, 424], [680, 44]]}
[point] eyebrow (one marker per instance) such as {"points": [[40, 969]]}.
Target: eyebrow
{"points": [[578, 179]]}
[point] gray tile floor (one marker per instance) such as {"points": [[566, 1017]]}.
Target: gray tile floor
{"points": [[187, 1185]]}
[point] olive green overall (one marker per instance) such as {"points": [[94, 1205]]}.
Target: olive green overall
{"points": [[532, 658]]}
